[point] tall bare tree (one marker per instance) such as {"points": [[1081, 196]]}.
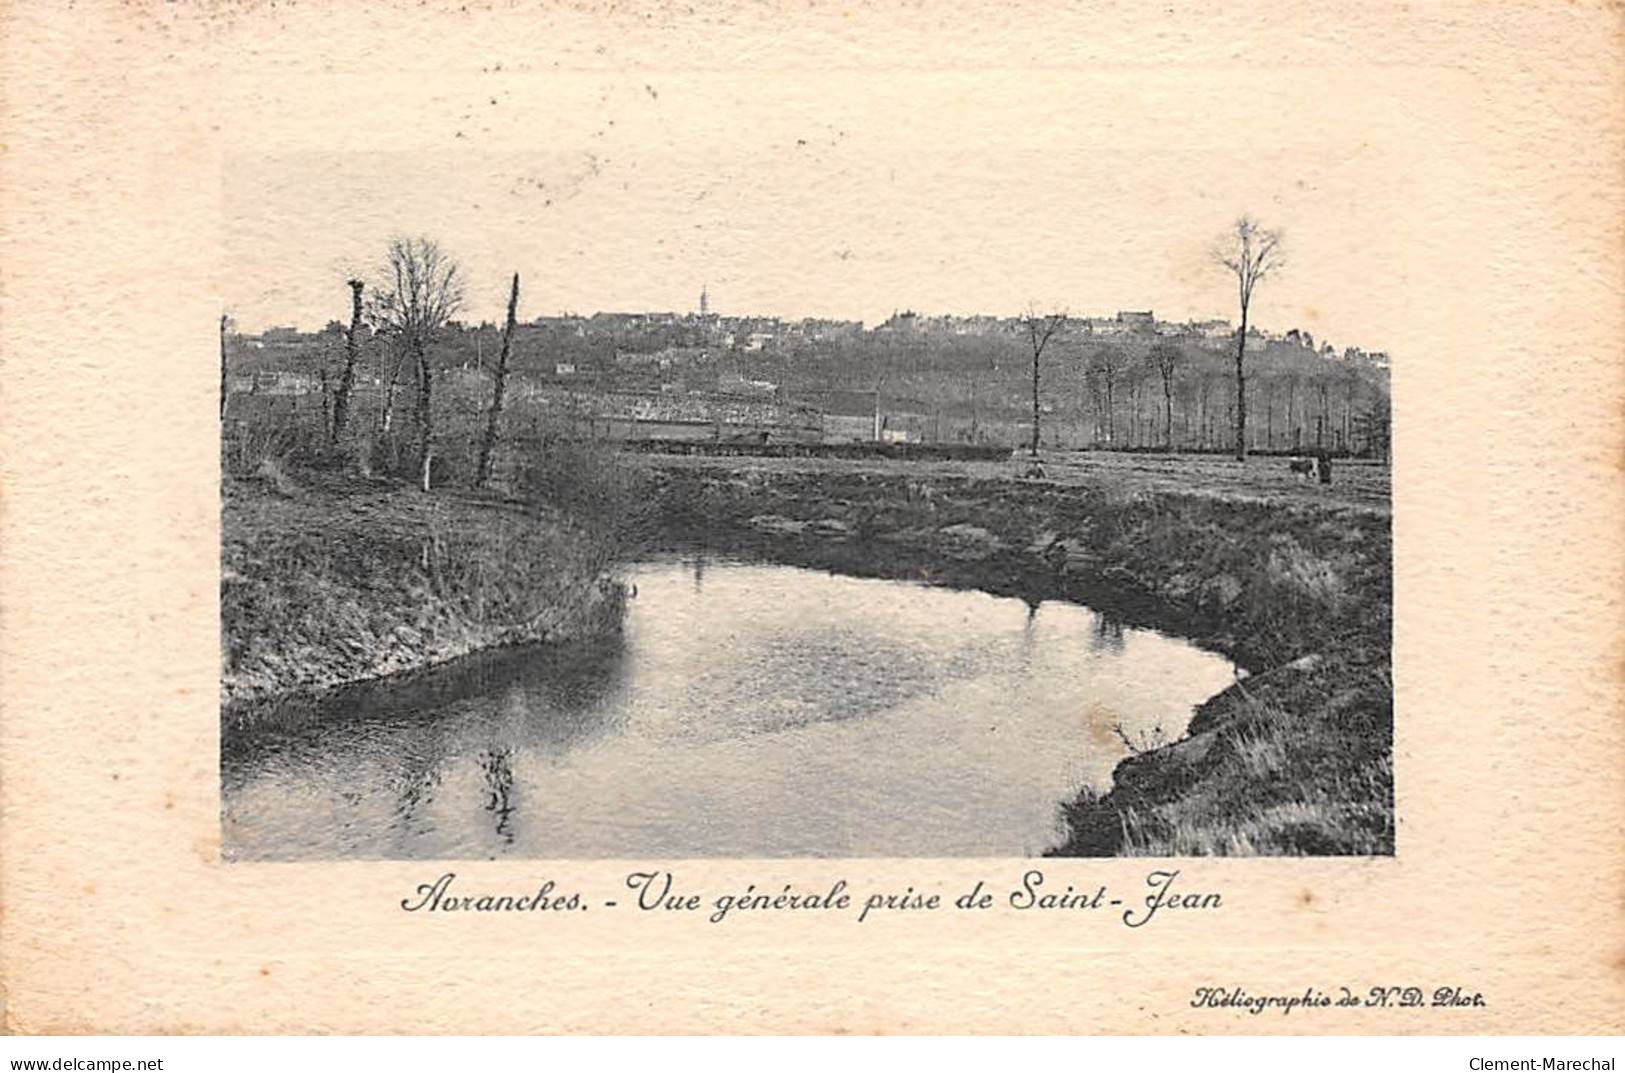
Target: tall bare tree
{"points": [[423, 289], [488, 447], [1252, 254], [352, 351], [1040, 330], [1165, 358]]}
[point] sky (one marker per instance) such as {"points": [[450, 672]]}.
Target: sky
{"points": [[849, 194]]}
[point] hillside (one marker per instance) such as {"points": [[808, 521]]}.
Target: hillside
{"points": [[948, 379]]}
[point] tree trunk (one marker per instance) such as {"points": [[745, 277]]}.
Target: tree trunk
{"points": [[1111, 413], [327, 396], [352, 351], [1324, 420], [1035, 401], [224, 320], [425, 412], [1241, 388], [393, 360], [1269, 417], [1167, 417], [1348, 419], [483, 474]]}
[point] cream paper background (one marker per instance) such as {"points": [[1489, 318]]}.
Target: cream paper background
{"points": [[1502, 124]]}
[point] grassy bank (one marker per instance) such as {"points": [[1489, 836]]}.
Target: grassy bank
{"points": [[336, 568], [328, 578], [1296, 588]]}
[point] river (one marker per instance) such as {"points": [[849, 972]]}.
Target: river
{"points": [[744, 711]]}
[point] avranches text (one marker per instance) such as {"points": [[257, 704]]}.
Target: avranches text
{"points": [[660, 891]]}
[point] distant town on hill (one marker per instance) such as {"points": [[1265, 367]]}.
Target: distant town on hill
{"points": [[912, 378]]}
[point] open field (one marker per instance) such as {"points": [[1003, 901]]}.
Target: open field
{"points": [[1357, 485]]}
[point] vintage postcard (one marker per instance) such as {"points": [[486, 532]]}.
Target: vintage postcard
{"points": [[869, 518]]}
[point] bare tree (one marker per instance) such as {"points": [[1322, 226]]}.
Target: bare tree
{"points": [[225, 327], [1269, 415], [1204, 411], [394, 359], [352, 351], [1293, 378], [1104, 368], [1040, 330], [1165, 358], [483, 473], [423, 289], [1323, 419], [1350, 378], [976, 390], [1251, 253], [1379, 423]]}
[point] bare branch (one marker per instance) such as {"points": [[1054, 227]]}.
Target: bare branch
{"points": [[1040, 329], [427, 292]]}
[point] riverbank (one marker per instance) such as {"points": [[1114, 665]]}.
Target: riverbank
{"points": [[328, 580], [1296, 589]]}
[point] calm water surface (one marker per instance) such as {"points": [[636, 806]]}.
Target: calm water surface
{"points": [[746, 711]]}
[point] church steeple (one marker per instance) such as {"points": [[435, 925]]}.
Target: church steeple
{"points": [[705, 300]]}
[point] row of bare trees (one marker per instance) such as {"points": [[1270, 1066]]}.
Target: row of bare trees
{"points": [[1107, 368], [427, 292], [1168, 395], [419, 291], [1251, 253]]}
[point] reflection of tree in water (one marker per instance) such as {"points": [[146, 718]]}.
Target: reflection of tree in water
{"points": [[547, 696], [497, 767], [1029, 632], [400, 737], [421, 751], [699, 572], [538, 702], [1107, 635]]}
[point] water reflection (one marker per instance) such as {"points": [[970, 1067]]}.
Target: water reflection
{"points": [[499, 781], [744, 711], [1108, 634]]}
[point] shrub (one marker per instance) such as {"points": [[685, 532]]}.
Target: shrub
{"points": [[588, 481]]}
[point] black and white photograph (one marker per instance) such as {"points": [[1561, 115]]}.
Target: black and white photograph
{"points": [[729, 498], [863, 519]]}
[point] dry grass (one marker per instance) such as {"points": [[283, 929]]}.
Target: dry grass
{"points": [[1351, 822], [1272, 771], [337, 568], [347, 581]]}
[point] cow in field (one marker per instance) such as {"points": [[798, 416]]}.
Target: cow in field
{"points": [[1317, 467]]}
